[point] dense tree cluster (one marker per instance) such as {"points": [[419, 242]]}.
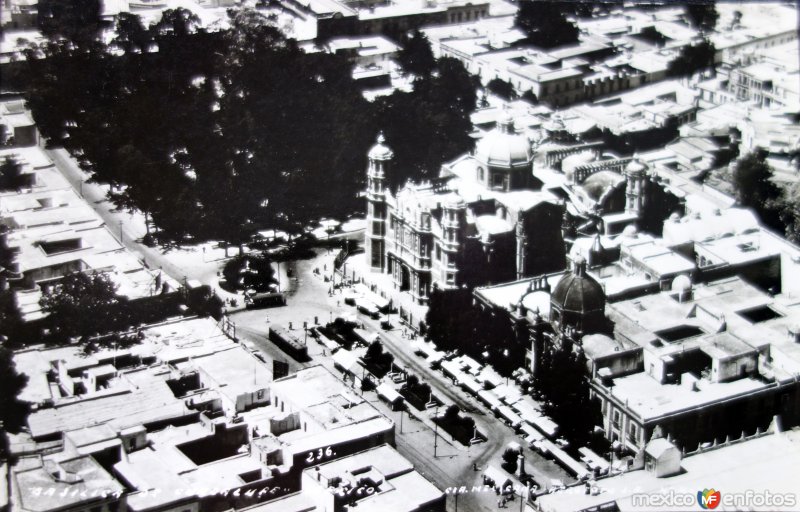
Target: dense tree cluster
{"points": [[82, 306], [502, 88], [431, 124], [249, 272], [546, 23], [562, 385], [455, 324], [216, 134], [549, 23], [790, 213], [754, 187], [13, 412], [416, 56], [561, 381], [10, 174], [693, 58], [702, 14], [79, 21]]}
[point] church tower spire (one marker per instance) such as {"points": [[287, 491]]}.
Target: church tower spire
{"points": [[380, 158]]}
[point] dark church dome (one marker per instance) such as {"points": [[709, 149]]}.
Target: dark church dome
{"points": [[578, 292]]}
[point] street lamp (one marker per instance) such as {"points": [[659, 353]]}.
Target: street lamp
{"points": [[120, 232]]}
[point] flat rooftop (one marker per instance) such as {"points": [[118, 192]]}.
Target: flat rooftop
{"points": [[234, 371], [174, 342], [383, 458], [90, 478], [504, 295], [768, 463], [146, 399], [308, 387], [402, 488], [649, 399]]}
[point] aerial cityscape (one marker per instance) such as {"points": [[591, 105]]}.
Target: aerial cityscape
{"points": [[399, 256]]}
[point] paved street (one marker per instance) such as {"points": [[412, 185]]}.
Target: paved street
{"points": [[309, 300], [453, 467]]}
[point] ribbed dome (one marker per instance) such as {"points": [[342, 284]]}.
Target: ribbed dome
{"points": [[500, 149], [577, 292], [380, 151], [597, 184]]}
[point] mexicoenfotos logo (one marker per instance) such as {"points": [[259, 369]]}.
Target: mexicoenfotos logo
{"points": [[709, 499]]}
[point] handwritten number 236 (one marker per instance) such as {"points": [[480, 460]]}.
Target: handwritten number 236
{"points": [[319, 455]]}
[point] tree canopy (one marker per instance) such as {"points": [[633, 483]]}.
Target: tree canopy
{"points": [[191, 130], [502, 88], [545, 22], [416, 56], [790, 213], [78, 21], [13, 412], [249, 272], [693, 58], [83, 305], [752, 182], [562, 384], [703, 14], [431, 124], [10, 173]]}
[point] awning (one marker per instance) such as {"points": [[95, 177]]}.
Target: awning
{"points": [[452, 369], [366, 305], [593, 460], [506, 412], [531, 434], [419, 345], [347, 360], [490, 399], [571, 464], [389, 393], [435, 356], [490, 376], [328, 343], [545, 425], [366, 336], [371, 296], [471, 385], [497, 476]]}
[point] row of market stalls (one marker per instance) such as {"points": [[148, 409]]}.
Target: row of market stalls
{"points": [[505, 399], [350, 364], [366, 301]]}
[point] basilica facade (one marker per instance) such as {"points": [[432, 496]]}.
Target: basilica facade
{"points": [[487, 218]]}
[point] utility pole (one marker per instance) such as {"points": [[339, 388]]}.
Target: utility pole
{"points": [[435, 432]]}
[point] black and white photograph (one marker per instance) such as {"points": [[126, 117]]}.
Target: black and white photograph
{"points": [[399, 256]]}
